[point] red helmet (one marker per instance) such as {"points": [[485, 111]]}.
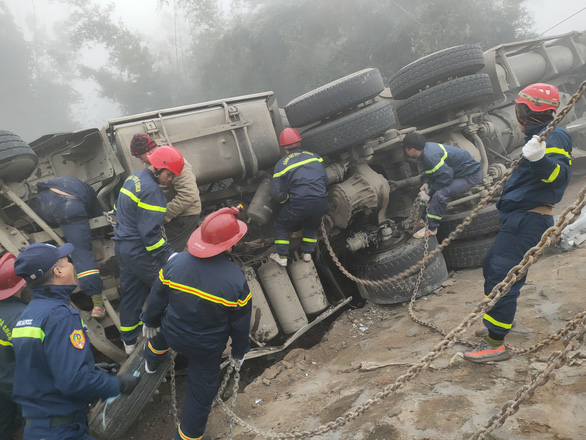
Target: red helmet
{"points": [[167, 157], [219, 231], [288, 137], [10, 283], [540, 97]]}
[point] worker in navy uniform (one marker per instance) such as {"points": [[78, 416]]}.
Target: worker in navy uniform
{"points": [[55, 376], [201, 299], [69, 203], [526, 211], [11, 306], [449, 171], [299, 184], [141, 248]]}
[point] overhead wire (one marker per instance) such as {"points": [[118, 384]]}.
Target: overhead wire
{"points": [[565, 19]]}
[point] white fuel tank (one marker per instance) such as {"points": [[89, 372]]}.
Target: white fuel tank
{"points": [[263, 326], [281, 294], [308, 286]]}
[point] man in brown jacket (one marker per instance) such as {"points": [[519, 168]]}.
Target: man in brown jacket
{"points": [[183, 202]]}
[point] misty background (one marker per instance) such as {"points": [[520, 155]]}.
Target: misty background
{"points": [[73, 64]]}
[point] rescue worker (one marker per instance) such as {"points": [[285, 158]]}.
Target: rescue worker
{"points": [[11, 306], [183, 202], [69, 203], [200, 300], [299, 184], [55, 376], [449, 171], [526, 210], [141, 248]]}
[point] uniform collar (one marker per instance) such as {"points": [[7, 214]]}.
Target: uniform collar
{"points": [[53, 291], [531, 130]]}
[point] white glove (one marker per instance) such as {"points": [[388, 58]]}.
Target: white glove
{"points": [[150, 332], [233, 360], [534, 150], [424, 197], [424, 187]]}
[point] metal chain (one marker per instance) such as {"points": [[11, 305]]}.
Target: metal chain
{"points": [[109, 218], [233, 366], [173, 390]]}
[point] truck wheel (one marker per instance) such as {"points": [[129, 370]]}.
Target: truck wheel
{"points": [[383, 263], [347, 131], [436, 67], [485, 223], [466, 254], [17, 158], [456, 93], [334, 97], [111, 421]]}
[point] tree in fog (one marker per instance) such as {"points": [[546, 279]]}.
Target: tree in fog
{"points": [[37, 95]]}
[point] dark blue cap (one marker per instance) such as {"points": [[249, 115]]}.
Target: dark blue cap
{"points": [[38, 258]]}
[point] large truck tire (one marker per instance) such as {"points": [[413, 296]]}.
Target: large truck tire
{"points": [[467, 254], [347, 131], [384, 263], [453, 62], [459, 92], [486, 222], [109, 421], [17, 159], [334, 97]]}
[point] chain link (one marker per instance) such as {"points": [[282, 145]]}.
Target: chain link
{"points": [[110, 219], [173, 389]]}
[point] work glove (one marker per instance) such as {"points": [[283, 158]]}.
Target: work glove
{"points": [[108, 367], [424, 187], [233, 360], [424, 197], [128, 383], [150, 332], [534, 150]]}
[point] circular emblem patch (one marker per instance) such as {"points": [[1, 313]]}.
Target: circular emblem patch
{"points": [[77, 339]]}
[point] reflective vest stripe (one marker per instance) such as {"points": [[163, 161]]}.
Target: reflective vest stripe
{"points": [[497, 323], [88, 272], [129, 329], [559, 151], [440, 163], [298, 164], [142, 204], [157, 245], [6, 343], [28, 332], [202, 294], [554, 174]]}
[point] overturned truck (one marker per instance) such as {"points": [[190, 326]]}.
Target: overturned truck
{"points": [[460, 96]]}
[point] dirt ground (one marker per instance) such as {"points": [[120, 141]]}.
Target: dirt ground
{"points": [[307, 387]]}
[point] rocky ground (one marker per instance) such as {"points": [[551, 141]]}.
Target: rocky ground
{"points": [[362, 351]]}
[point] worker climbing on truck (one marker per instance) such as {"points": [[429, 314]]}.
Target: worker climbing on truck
{"points": [[526, 210], [141, 248], [449, 171], [299, 184], [69, 203], [183, 202], [200, 299]]}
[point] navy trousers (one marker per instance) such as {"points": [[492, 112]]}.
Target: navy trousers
{"points": [[138, 271], [299, 214], [519, 233], [41, 429], [203, 377], [8, 417], [440, 199], [70, 213]]}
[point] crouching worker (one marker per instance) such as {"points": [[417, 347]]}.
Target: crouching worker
{"points": [[200, 299], [55, 376]]}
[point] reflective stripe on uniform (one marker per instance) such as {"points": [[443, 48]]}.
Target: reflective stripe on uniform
{"points": [[88, 272], [310, 240], [281, 241], [28, 332], [298, 164], [157, 245], [286, 198], [440, 163], [497, 323], [434, 216], [559, 151], [554, 174], [155, 351], [202, 294], [129, 329], [184, 437], [142, 204], [6, 343]]}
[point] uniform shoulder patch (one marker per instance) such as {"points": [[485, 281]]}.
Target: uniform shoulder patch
{"points": [[77, 339]]}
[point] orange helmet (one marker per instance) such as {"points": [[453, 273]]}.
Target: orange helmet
{"points": [[10, 283], [167, 157], [540, 97], [288, 137], [219, 231]]}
